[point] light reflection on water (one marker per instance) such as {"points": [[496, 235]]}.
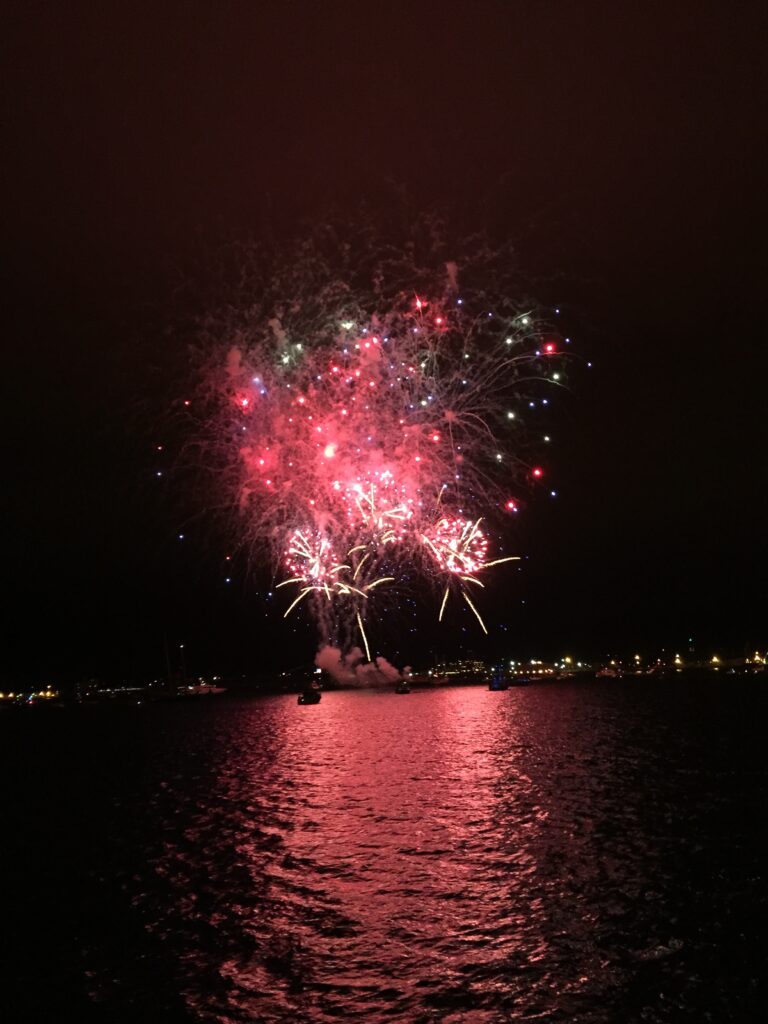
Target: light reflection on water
{"points": [[444, 853], [556, 853]]}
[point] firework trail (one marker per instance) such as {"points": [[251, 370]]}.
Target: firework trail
{"points": [[362, 415]]}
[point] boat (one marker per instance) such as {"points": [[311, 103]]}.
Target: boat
{"points": [[200, 690], [403, 687], [311, 695], [498, 680]]}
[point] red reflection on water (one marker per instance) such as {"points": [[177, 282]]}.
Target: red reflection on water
{"points": [[402, 799]]}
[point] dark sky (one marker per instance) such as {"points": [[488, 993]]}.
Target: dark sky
{"points": [[622, 144]]}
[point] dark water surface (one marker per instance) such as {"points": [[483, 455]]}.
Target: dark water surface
{"points": [[581, 852]]}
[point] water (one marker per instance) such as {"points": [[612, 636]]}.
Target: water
{"points": [[581, 852]]}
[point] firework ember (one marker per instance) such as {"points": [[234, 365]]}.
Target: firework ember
{"points": [[369, 436]]}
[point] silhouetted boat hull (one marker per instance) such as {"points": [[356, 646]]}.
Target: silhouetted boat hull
{"points": [[310, 697]]}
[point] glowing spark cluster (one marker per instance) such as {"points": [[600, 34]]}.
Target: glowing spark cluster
{"points": [[314, 568], [459, 545], [369, 436]]}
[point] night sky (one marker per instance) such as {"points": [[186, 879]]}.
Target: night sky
{"points": [[621, 145]]}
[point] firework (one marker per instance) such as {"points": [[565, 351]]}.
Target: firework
{"points": [[368, 436], [460, 550]]}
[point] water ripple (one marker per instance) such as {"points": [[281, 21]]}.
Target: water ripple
{"points": [[552, 854]]}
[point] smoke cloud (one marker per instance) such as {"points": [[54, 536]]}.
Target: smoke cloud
{"points": [[352, 670]]}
